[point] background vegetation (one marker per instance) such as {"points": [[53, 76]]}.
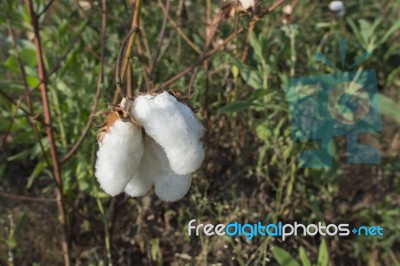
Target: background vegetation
{"points": [[250, 173]]}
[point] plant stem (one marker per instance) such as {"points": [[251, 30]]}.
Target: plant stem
{"points": [[132, 39], [49, 132]]}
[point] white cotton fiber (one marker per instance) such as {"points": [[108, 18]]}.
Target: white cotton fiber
{"points": [[172, 187], [247, 4], [338, 7], [175, 127], [154, 167], [151, 167], [119, 155]]}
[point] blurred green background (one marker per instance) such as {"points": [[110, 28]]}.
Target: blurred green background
{"points": [[250, 173]]}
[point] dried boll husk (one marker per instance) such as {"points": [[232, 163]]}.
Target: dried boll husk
{"points": [[174, 127], [154, 168], [119, 154]]}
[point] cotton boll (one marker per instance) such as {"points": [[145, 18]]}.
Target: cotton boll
{"points": [[247, 4], [119, 154], [287, 9], [174, 126], [172, 187], [337, 7]]}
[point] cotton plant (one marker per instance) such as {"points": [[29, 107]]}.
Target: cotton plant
{"points": [[159, 143]]}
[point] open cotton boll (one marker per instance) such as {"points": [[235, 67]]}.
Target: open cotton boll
{"points": [[174, 126], [119, 154]]}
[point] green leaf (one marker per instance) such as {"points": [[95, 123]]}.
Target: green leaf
{"points": [[323, 254], [28, 57], [389, 107], [256, 45], [236, 107], [263, 131], [12, 63], [283, 257], [365, 29], [20, 222], [36, 172], [19, 156], [249, 75], [32, 81], [305, 261]]}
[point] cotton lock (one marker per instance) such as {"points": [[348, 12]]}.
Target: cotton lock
{"points": [[119, 155], [174, 127]]}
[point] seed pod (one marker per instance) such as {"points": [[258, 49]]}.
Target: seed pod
{"points": [[174, 127], [120, 151]]}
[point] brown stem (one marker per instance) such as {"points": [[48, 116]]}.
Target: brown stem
{"points": [[160, 39], [128, 51], [146, 45], [49, 132], [25, 198], [178, 29], [45, 8], [29, 113]]}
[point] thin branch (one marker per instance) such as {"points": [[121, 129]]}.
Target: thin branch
{"points": [[45, 8], [121, 60], [145, 42], [25, 198], [85, 130], [23, 109], [29, 114], [5, 135], [161, 38], [49, 131], [179, 30], [128, 51], [146, 66], [21, 67]]}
